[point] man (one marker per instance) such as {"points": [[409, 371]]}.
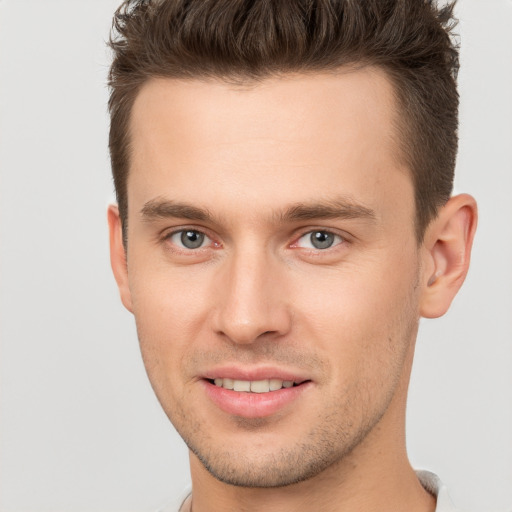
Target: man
{"points": [[283, 173]]}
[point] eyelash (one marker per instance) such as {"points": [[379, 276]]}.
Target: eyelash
{"points": [[337, 239], [168, 237]]}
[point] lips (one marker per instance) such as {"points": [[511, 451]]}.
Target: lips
{"points": [[254, 394]]}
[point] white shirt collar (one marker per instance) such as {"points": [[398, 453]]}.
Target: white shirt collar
{"points": [[434, 486]]}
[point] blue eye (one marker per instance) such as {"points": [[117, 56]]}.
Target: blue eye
{"points": [[189, 239], [319, 240]]}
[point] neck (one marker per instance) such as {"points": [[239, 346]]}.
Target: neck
{"points": [[398, 492]]}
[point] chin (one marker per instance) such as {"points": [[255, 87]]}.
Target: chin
{"points": [[279, 470], [242, 466]]}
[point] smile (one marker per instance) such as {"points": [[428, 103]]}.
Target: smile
{"points": [[255, 398], [253, 386]]}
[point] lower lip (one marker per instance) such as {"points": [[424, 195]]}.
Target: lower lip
{"points": [[253, 405]]}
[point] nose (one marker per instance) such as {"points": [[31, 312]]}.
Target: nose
{"points": [[252, 301]]}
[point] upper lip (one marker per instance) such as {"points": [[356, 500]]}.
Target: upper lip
{"points": [[254, 373]]}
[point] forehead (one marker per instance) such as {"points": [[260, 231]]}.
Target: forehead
{"points": [[279, 140]]}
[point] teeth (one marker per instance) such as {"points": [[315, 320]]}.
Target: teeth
{"points": [[275, 384], [242, 385], [228, 383], [254, 386], [260, 386]]}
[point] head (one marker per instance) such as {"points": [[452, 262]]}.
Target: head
{"points": [[283, 172]]}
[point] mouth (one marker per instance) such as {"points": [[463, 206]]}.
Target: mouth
{"points": [[254, 386], [256, 396]]}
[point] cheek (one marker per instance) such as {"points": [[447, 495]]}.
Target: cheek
{"points": [[170, 310], [167, 299], [363, 315], [355, 294]]}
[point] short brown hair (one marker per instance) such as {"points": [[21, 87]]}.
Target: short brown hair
{"points": [[249, 40]]}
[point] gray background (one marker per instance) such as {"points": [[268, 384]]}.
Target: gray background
{"points": [[80, 429]]}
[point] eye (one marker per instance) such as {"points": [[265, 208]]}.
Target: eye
{"points": [[189, 239], [319, 240]]}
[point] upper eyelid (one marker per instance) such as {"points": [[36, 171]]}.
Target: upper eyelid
{"points": [[333, 231], [168, 232]]}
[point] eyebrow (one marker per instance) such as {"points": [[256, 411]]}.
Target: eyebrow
{"points": [[160, 208], [337, 209], [164, 208]]}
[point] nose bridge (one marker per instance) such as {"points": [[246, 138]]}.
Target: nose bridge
{"points": [[250, 296]]}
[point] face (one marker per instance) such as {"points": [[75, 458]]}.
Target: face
{"points": [[272, 267]]}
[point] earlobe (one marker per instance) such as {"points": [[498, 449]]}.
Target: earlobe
{"points": [[118, 256], [447, 247]]}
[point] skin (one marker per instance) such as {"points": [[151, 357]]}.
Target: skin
{"points": [[258, 294]]}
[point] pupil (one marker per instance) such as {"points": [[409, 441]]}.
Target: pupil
{"points": [[192, 239], [321, 239]]}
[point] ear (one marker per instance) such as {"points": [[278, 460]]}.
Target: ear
{"points": [[118, 256], [447, 250]]}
